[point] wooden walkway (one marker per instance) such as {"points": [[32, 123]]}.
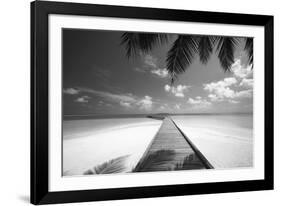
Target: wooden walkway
{"points": [[170, 149]]}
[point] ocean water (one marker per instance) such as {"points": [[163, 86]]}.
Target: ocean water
{"points": [[225, 140]]}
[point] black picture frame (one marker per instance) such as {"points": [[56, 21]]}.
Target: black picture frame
{"points": [[39, 102]]}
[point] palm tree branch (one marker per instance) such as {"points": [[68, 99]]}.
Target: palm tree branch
{"points": [[143, 42], [249, 49], [181, 54], [226, 48], [205, 48]]}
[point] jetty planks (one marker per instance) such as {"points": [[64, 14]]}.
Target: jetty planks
{"points": [[170, 149]]}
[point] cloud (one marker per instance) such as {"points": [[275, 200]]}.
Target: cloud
{"points": [[138, 69], [83, 99], [149, 60], [150, 65], [125, 104], [220, 85], [163, 73], [110, 96], [199, 102], [127, 100], [241, 71], [178, 91], [214, 98], [244, 94], [233, 101], [222, 92], [221, 89], [71, 91], [247, 83], [145, 103], [232, 88]]}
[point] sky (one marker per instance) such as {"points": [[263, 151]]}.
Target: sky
{"points": [[98, 78]]}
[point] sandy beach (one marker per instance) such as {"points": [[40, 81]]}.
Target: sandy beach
{"points": [[226, 141], [87, 147]]}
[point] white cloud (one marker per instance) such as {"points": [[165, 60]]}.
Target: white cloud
{"points": [[110, 96], [71, 91], [241, 71], [125, 104], [220, 85], [232, 88], [167, 88], [145, 103], [83, 99], [150, 65], [233, 101], [247, 83], [198, 102], [125, 100], [149, 60], [214, 98], [178, 91], [220, 90], [163, 73], [244, 94]]}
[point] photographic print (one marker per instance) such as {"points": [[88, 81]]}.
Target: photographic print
{"points": [[135, 102], [155, 102]]}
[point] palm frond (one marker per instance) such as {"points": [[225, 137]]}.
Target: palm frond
{"points": [[190, 162], [143, 42], [181, 54], [156, 161], [116, 165], [131, 43], [205, 48], [147, 41], [226, 48], [249, 49]]}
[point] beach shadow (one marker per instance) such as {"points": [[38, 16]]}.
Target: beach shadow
{"points": [[190, 162], [116, 165], [157, 161]]}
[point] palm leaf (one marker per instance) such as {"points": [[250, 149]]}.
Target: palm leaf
{"points": [[249, 49], [116, 165], [226, 48], [144, 42], [205, 48], [156, 161], [190, 162], [131, 43], [181, 54]]}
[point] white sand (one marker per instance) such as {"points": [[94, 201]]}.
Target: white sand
{"points": [[83, 153], [223, 143]]}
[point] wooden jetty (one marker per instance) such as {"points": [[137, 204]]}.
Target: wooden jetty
{"points": [[170, 149]]}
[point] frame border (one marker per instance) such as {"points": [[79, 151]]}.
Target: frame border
{"points": [[39, 193]]}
